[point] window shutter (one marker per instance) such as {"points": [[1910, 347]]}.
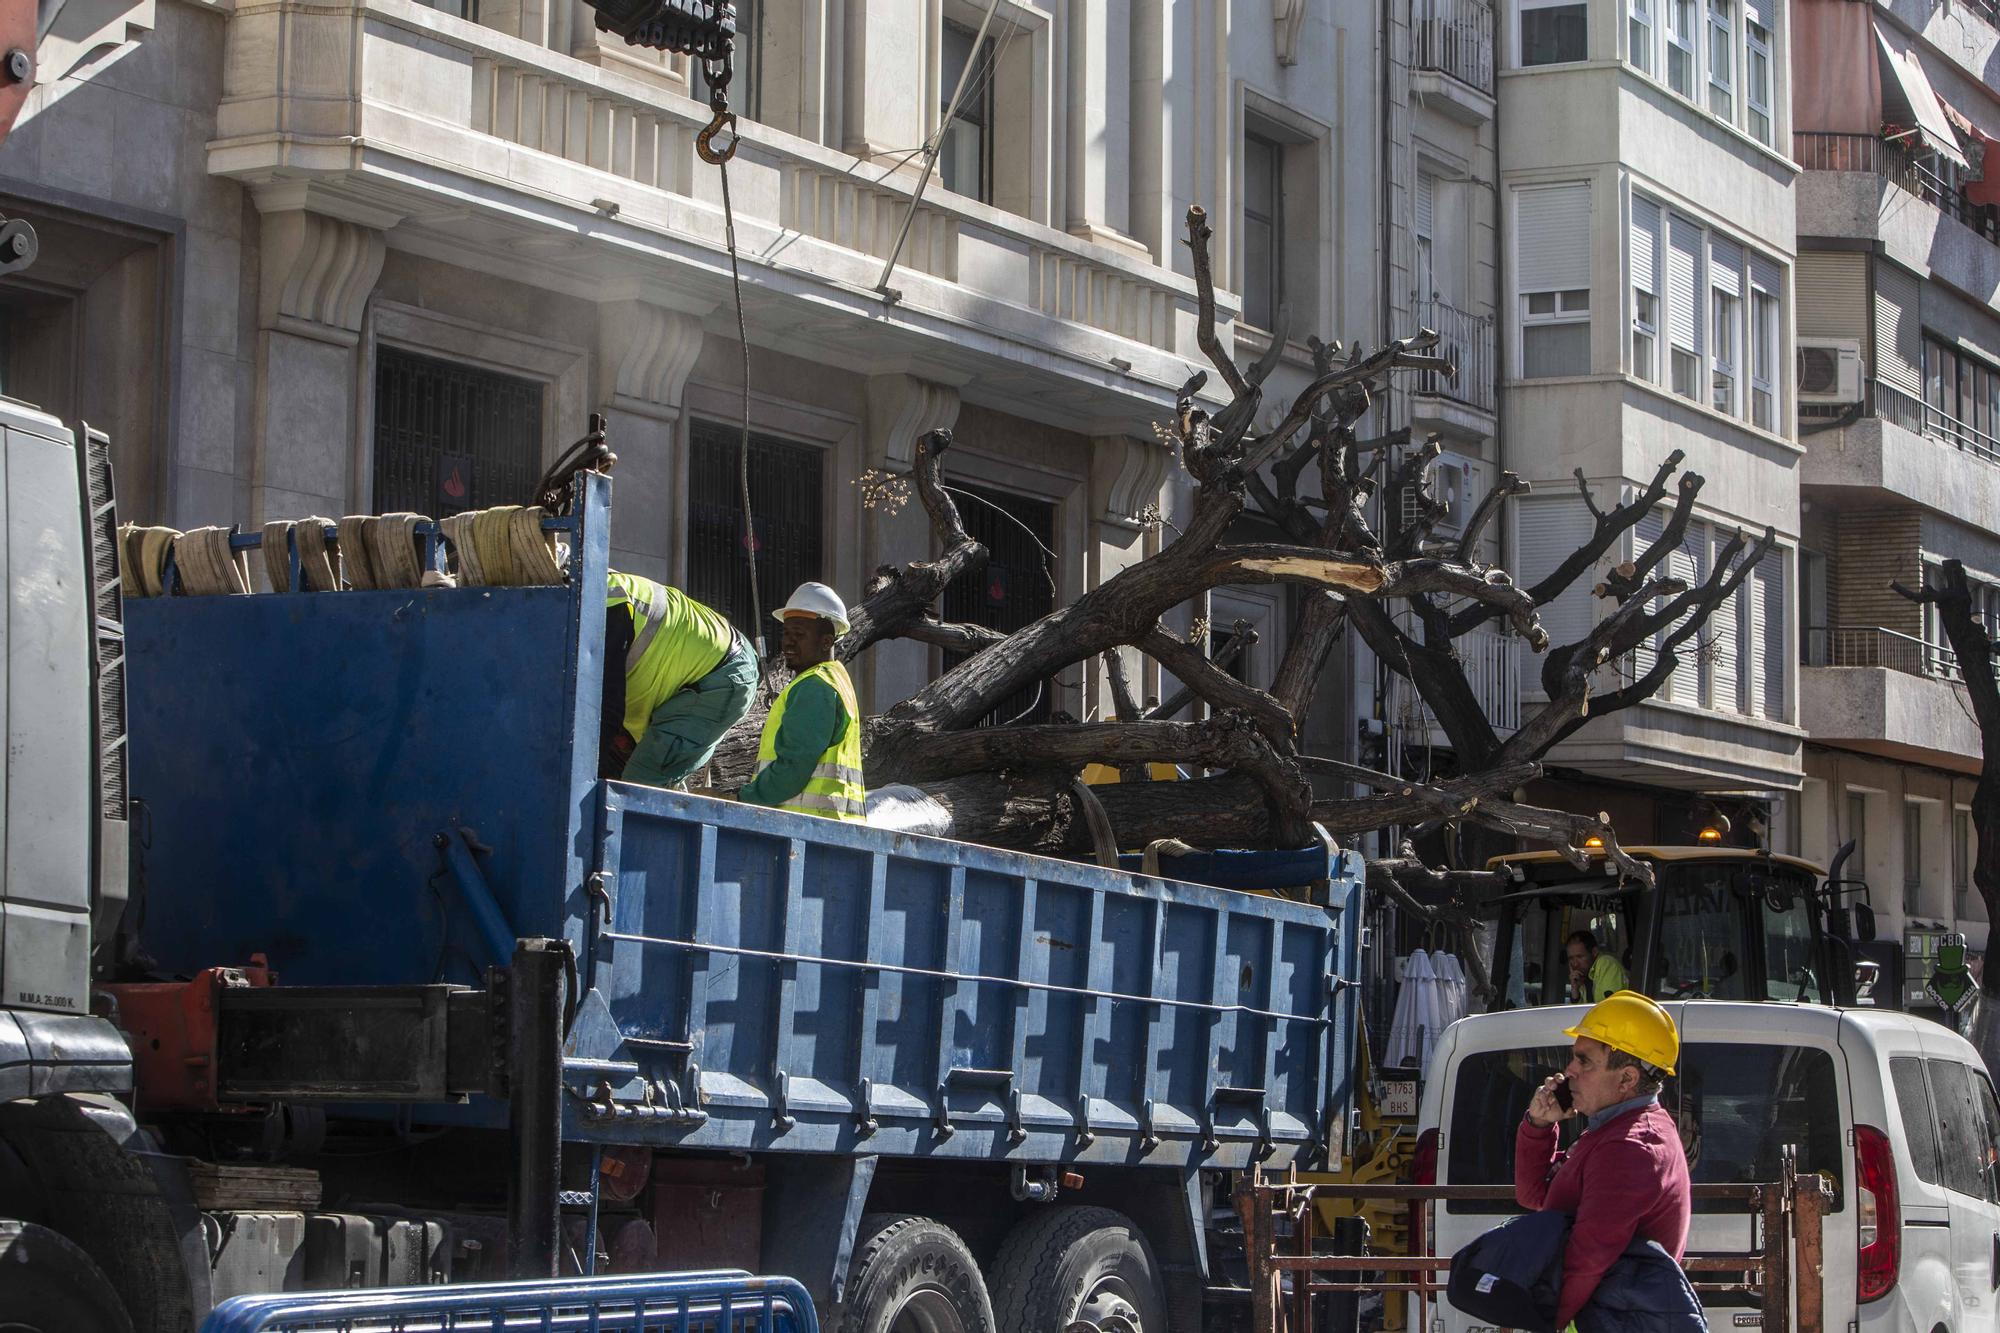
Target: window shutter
{"points": [[1766, 275], [1833, 294], [1552, 237], [1426, 203], [1725, 266], [1684, 301], [1770, 579], [1725, 630], [1644, 533], [1645, 245], [1761, 13], [1898, 346], [1689, 564], [1546, 532]]}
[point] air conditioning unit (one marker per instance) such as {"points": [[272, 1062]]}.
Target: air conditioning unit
{"points": [[1451, 485], [1829, 370]]}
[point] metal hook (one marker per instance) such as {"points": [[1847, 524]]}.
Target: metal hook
{"points": [[703, 142]]}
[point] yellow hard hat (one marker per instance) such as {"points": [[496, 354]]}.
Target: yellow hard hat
{"points": [[1635, 1024]]}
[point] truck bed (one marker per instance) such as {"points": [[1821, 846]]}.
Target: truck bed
{"points": [[388, 787]]}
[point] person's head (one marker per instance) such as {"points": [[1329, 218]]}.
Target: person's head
{"points": [[807, 640], [1581, 950], [813, 618], [1623, 1048]]}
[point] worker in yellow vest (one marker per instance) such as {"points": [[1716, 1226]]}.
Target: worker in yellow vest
{"points": [[809, 760], [687, 677]]}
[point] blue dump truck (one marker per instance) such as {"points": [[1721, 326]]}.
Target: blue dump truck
{"points": [[403, 992]]}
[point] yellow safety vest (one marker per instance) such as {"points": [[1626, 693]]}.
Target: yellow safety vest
{"points": [[835, 790], [675, 642]]}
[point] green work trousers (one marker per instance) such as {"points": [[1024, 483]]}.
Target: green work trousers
{"points": [[683, 731]]}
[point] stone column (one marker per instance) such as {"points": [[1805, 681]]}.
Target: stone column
{"points": [[901, 409], [645, 353], [885, 72], [317, 273], [1126, 477], [1100, 123]]}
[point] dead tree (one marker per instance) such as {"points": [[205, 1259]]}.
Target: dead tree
{"points": [[1311, 478], [1972, 644]]}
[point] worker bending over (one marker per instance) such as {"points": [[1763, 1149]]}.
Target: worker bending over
{"points": [[689, 676], [809, 760]]}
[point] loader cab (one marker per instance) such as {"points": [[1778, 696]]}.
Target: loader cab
{"points": [[1720, 924]]}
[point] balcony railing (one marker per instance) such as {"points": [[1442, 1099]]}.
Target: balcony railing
{"points": [[1889, 403], [1915, 173], [1467, 340], [1874, 646], [1492, 668], [1455, 37]]}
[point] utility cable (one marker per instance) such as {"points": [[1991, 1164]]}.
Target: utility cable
{"points": [[743, 441]]}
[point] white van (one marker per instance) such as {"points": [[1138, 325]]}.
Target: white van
{"points": [[1896, 1111]]}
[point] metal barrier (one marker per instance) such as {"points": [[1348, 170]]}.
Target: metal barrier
{"points": [[716, 1301], [1787, 1215]]}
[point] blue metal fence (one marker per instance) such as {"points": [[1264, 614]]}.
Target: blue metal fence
{"points": [[718, 1301]]}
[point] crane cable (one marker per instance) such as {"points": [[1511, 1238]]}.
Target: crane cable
{"points": [[718, 74]]}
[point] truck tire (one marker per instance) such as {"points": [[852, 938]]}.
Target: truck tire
{"points": [[1077, 1264], [913, 1275], [48, 1285]]}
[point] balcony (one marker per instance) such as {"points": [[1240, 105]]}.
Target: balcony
{"points": [[1878, 691], [1913, 173], [1451, 58], [1492, 668], [1463, 402], [1898, 444], [1862, 187], [496, 153]]}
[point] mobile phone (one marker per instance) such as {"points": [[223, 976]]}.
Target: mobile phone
{"points": [[1564, 1097]]}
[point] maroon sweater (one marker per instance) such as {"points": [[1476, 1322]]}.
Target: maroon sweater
{"points": [[1628, 1177]]}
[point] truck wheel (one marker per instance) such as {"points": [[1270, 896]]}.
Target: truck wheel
{"points": [[48, 1285], [913, 1275], [1071, 1265]]}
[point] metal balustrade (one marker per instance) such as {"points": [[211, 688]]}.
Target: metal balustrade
{"points": [[1455, 37], [1467, 341], [1897, 405], [1876, 646], [1895, 163]]}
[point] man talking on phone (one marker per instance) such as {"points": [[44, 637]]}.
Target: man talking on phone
{"points": [[1626, 1175]]}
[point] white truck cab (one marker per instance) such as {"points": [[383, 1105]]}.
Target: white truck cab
{"points": [[1896, 1112]]}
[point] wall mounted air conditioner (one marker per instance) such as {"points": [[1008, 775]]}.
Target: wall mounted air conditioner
{"points": [[1829, 370], [1451, 485]]}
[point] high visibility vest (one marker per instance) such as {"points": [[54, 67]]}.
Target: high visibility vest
{"points": [[835, 789], [675, 642]]}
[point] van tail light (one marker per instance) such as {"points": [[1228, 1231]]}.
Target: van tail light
{"points": [[1424, 1165], [1880, 1215]]}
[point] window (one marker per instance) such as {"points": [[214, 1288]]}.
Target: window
{"points": [[1725, 276], [1913, 1105], [1552, 238], [1857, 833], [1763, 354], [1701, 932], [1554, 32], [1722, 58], [451, 437], [965, 156], [1684, 305], [1424, 232], [1645, 261], [1017, 588], [1788, 948], [788, 500], [1263, 229], [1757, 74], [1680, 47], [1639, 35], [1962, 393], [1961, 860], [1965, 1133], [1913, 865]]}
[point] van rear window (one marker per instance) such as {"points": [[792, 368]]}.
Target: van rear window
{"points": [[1737, 1106]]}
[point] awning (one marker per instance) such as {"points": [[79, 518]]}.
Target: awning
{"points": [[1904, 80], [1982, 182]]}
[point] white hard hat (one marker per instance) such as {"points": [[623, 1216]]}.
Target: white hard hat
{"points": [[815, 599]]}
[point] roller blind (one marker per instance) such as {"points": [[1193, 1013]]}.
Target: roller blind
{"points": [[1684, 298], [1647, 531], [1645, 245], [1426, 204], [1769, 670], [1766, 275], [1725, 266], [1898, 336], [1552, 237], [1832, 294], [1725, 632], [1547, 531], [1688, 563]]}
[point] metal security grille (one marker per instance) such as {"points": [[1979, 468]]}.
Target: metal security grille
{"points": [[787, 496], [450, 437], [1017, 587]]}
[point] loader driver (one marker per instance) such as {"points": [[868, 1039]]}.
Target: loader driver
{"points": [[809, 760], [688, 677]]}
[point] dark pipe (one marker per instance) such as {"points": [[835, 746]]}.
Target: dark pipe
{"points": [[534, 1095]]}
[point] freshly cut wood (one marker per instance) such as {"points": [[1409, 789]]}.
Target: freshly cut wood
{"points": [[224, 1185]]}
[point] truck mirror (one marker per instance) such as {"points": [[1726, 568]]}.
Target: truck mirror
{"points": [[1864, 922]]}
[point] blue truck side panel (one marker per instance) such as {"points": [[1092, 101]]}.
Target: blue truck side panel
{"points": [[383, 787]]}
